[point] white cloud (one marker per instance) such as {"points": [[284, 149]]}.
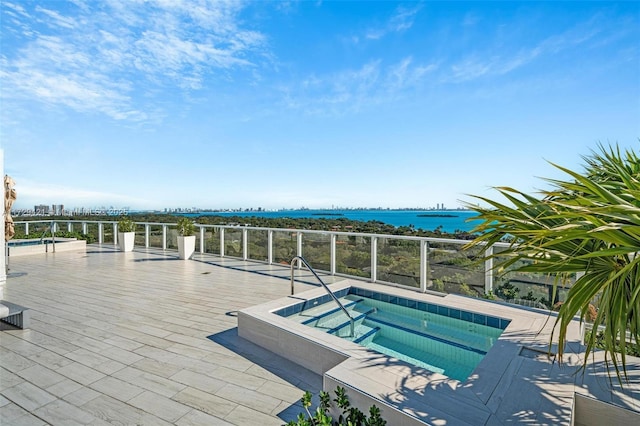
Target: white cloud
{"points": [[85, 55], [55, 19], [489, 63], [356, 89], [401, 20]]}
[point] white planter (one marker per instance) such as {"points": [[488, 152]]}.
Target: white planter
{"points": [[186, 246], [125, 240]]}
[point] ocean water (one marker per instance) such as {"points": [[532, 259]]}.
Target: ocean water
{"points": [[428, 220]]}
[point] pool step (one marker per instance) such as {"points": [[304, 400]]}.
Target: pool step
{"points": [[323, 319], [339, 322], [367, 333]]}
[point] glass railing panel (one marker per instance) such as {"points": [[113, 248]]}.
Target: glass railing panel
{"points": [[36, 229], [155, 236], [399, 261], [284, 246], [107, 235], [139, 237], [528, 288], [233, 242], [172, 238], [92, 233], [353, 255], [21, 229], [453, 270], [316, 249], [212, 240], [257, 244]]}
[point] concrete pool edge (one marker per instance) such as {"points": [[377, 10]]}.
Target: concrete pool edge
{"points": [[62, 245], [411, 395]]}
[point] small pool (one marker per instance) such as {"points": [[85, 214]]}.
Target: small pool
{"points": [[438, 338], [21, 243]]}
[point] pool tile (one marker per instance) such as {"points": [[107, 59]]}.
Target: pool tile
{"points": [[493, 322], [432, 308], [443, 310], [454, 313], [480, 319], [422, 306], [466, 316]]}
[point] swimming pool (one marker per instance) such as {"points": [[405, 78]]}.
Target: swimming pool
{"points": [[20, 247], [435, 337]]}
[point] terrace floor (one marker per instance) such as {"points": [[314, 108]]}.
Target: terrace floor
{"points": [[143, 338]]}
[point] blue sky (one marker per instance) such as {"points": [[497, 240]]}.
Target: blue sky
{"points": [[288, 104]]}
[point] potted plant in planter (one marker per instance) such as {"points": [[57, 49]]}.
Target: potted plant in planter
{"points": [[126, 233], [186, 239]]}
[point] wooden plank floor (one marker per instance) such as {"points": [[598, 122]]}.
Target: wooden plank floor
{"points": [[143, 338]]}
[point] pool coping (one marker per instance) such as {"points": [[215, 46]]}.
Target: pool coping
{"points": [[411, 395], [62, 245]]}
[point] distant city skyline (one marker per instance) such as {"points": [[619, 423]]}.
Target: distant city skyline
{"points": [[61, 209], [287, 104]]}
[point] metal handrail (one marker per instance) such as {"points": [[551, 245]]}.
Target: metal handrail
{"points": [[53, 235], [333, 296]]}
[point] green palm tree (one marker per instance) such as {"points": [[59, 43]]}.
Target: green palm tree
{"points": [[586, 227]]}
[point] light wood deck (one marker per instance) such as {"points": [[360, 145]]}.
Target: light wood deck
{"points": [[143, 338]]}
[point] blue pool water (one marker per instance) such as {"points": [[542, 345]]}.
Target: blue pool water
{"points": [[18, 243], [438, 338]]}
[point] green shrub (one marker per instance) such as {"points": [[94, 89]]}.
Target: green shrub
{"points": [[186, 227], [126, 225], [351, 416]]}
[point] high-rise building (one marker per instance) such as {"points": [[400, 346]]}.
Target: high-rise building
{"points": [[41, 209], [57, 209]]}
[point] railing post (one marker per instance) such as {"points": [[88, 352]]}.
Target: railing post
{"points": [[26, 228], [202, 234], [147, 228], [85, 230], [270, 246], [100, 232], [424, 265], [332, 255], [164, 237], [245, 248], [299, 246], [69, 227], [221, 242], [115, 233], [488, 271], [374, 259]]}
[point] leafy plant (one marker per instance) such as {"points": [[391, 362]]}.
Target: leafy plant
{"points": [[589, 224], [507, 291], [489, 295], [126, 225], [351, 416], [530, 296], [186, 227]]}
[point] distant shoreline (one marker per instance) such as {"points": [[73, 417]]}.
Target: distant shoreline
{"points": [[327, 214], [437, 215]]}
